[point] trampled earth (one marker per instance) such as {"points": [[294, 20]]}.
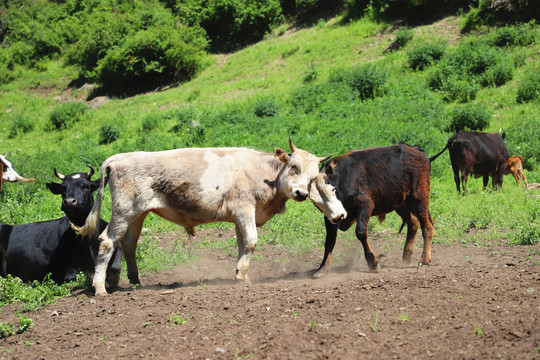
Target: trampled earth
{"points": [[473, 302]]}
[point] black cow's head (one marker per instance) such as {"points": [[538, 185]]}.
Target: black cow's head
{"points": [[76, 190]]}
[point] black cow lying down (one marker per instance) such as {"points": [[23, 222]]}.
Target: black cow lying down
{"points": [[31, 251], [375, 182]]}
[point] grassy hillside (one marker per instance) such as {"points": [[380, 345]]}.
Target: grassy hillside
{"points": [[331, 88]]}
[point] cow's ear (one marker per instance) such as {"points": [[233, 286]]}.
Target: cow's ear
{"points": [[282, 155], [95, 185], [55, 188]]}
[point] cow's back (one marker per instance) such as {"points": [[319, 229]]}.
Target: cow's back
{"points": [[486, 151], [385, 175]]}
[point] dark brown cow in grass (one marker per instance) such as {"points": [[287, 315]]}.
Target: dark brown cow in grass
{"points": [[375, 182], [477, 153]]}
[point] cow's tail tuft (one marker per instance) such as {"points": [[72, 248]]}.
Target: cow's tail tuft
{"points": [[91, 225]]}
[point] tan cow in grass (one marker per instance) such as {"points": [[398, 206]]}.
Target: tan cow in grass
{"points": [[514, 166], [196, 186], [8, 173]]}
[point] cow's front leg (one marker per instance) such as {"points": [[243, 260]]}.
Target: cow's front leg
{"points": [[330, 242], [246, 236], [362, 235]]}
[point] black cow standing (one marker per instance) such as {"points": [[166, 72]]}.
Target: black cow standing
{"points": [[31, 251], [478, 153], [375, 182]]}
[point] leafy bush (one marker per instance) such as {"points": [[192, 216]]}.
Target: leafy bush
{"points": [[310, 74], [108, 133], [528, 235], [21, 123], [469, 117], [425, 54], [230, 23], [529, 88], [66, 114], [151, 122], [147, 59], [368, 80], [266, 106], [403, 36]]}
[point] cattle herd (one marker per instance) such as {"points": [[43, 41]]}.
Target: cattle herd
{"points": [[196, 186]]}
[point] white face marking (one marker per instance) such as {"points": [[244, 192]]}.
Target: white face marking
{"points": [[76, 176], [324, 197], [9, 174]]}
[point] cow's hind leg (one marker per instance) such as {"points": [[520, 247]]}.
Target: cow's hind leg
{"points": [[426, 223], [412, 228], [330, 242], [129, 246], [109, 240], [246, 237]]}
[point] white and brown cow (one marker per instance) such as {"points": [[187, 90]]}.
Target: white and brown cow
{"points": [[8, 173], [196, 186]]}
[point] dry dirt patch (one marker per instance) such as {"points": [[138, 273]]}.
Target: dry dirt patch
{"points": [[472, 303]]}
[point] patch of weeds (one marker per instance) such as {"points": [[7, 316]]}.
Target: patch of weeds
{"points": [[28, 343], [292, 313], [403, 318], [6, 330], [176, 319], [375, 323], [315, 323], [241, 355], [202, 285], [24, 324], [478, 331]]}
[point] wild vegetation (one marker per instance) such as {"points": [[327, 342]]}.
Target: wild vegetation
{"points": [[324, 82]]}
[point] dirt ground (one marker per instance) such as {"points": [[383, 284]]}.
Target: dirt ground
{"points": [[471, 303]]}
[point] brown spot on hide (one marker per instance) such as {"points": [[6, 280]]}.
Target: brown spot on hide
{"points": [[184, 196]]}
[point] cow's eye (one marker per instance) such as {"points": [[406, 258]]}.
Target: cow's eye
{"points": [[295, 169]]}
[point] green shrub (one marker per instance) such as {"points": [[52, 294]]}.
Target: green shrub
{"points": [[458, 90], [151, 122], [499, 74], [231, 23], [24, 324], [425, 54], [403, 36], [20, 123], [528, 235], [266, 107], [6, 330], [66, 114], [469, 117], [368, 80], [529, 88], [108, 133], [147, 59]]}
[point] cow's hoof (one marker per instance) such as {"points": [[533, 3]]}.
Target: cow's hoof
{"points": [[375, 268], [101, 293], [319, 274], [421, 266]]}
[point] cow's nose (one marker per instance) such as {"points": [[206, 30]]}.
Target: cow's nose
{"points": [[339, 219], [300, 195], [71, 202]]}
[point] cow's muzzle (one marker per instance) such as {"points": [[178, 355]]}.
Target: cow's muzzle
{"points": [[300, 195], [338, 218]]}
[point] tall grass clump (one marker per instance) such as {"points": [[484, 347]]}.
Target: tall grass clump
{"points": [[20, 123], [367, 80], [67, 114], [529, 88], [423, 55], [470, 117]]}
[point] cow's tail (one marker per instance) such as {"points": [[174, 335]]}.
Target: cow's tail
{"points": [[91, 225], [431, 159]]}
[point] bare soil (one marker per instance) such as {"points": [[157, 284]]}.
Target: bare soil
{"points": [[471, 303]]}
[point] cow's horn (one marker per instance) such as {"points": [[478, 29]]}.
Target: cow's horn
{"points": [[58, 175], [321, 159], [91, 172], [293, 147]]}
